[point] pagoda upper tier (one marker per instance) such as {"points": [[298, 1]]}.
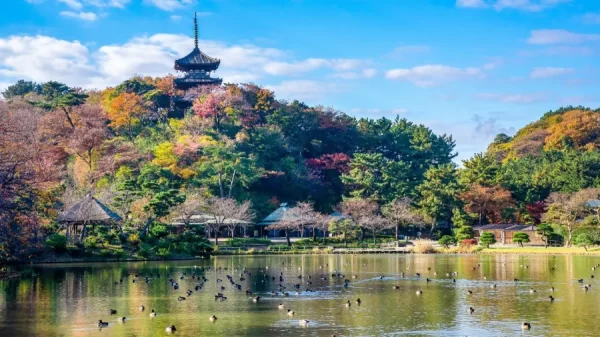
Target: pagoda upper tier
{"points": [[196, 66]]}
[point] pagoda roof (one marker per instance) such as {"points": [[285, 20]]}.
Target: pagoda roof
{"points": [[197, 60]]}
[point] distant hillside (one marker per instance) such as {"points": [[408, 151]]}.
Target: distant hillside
{"points": [[565, 128]]}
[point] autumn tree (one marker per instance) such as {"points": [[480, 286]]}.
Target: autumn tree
{"points": [[226, 212], [361, 211], [195, 202], [486, 202], [400, 213], [125, 112], [568, 209], [218, 106], [296, 218]]}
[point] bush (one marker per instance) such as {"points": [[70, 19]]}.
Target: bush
{"points": [[144, 251], [464, 233], [520, 238], [134, 239], [487, 239], [90, 242], [163, 252], [106, 253], [468, 242], [240, 242], [423, 247], [159, 231], [57, 242], [583, 240], [446, 241]]}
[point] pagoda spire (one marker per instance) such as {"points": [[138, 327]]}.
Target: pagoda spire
{"points": [[196, 30]]}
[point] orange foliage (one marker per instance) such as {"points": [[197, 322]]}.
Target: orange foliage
{"points": [[488, 202], [579, 127], [125, 110]]}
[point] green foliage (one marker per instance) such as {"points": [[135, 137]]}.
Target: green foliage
{"points": [[163, 252], [134, 239], [480, 169], [486, 239], [446, 241], [240, 242], [57, 242], [21, 88], [345, 227], [583, 240], [159, 231], [520, 238], [90, 242], [438, 194], [465, 233]]}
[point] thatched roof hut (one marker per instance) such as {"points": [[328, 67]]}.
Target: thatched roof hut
{"points": [[89, 210]]}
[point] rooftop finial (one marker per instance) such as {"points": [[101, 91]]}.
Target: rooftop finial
{"points": [[196, 29]]}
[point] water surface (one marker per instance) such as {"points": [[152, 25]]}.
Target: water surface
{"points": [[68, 300]]}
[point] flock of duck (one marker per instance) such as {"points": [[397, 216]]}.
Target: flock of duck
{"points": [[201, 280]]}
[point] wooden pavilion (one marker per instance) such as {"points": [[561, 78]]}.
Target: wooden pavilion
{"points": [[87, 211]]}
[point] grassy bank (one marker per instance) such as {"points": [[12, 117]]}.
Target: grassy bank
{"points": [[542, 250]]}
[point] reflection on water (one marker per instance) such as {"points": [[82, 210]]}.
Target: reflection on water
{"points": [[68, 300]]}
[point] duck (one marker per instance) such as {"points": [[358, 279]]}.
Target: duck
{"points": [[121, 319], [102, 324], [303, 322], [395, 287], [493, 286], [142, 308], [470, 292], [256, 299], [170, 329], [471, 310], [181, 298], [290, 312], [112, 311], [212, 318], [525, 326], [358, 301], [419, 292], [152, 313], [348, 304], [281, 306], [551, 288], [531, 290], [551, 298]]}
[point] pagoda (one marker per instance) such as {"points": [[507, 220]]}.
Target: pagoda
{"points": [[196, 66]]}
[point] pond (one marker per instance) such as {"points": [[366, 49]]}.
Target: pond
{"points": [[69, 299]]}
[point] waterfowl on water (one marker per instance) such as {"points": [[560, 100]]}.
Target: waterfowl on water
{"points": [[551, 298], [112, 311], [170, 329], [395, 287], [551, 288], [290, 312], [152, 313], [419, 292], [358, 301], [256, 299], [212, 318], [121, 319], [493, 286], [142, 308], [471, 310], [102, 324], [303, 322], [281, 306], [470, 292], [348, 304], [532, 290], [181, 298], [525, 326]]}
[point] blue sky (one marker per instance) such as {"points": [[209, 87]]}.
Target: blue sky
{"points": [[470, 68]]}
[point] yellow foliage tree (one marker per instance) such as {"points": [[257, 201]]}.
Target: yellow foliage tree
{"points": [[125, 111], [576, 128]]}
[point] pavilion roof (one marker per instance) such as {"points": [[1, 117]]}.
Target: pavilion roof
{"points": [[88, 209], [506, 227]]}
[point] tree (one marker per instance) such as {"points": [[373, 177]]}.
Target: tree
{"points": [[487, 239], [322, 223], [227, 212], [446, 241], [361, 211], [195, 202], [374, 223], [125, 112], [295, 219], [218, 106], [400, 212], [480, 169], [344, 226], [583, 240], [58, 96], [21, 88], [545, 231], [568, 210], [486, 202], [520, 238], [438, 194], [371, 176], [465, 233]]}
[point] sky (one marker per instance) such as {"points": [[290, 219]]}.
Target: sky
{"points": [[468, 68]]}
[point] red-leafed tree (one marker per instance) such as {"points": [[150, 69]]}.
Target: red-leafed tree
{"points": [[334, 161], [218, 106]]}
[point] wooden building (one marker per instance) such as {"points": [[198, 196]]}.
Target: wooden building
{"points": [[87, 211], [504, 233]]}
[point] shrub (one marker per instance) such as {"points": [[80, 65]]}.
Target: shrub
{"points": [[520, 238], [134, 239], [464, 233], [468, 242], [57, 242], [159, 231], [423, 247], [240, 242], [144, 251], [106, 252], [163, 252], [583, 240], [90, 242], [487, 239], [446, 241]]}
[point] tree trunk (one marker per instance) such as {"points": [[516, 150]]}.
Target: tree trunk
{"points": [[432, 228], [374, 236], [68, 117], [231, 183], [220, 175], [287, 237], [345, 240], [314, 234], [216, 238], [362, 234], [397, 240]]}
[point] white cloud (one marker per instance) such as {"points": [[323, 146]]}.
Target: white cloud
{"points": [[287, 68], [304, 89], [175, 17], [170, 5], [559, 36], [352, 75], [523, 5], [86, 16], [546, 72], [513, 98], [433, 74], [107, 3], [72, 3]]}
